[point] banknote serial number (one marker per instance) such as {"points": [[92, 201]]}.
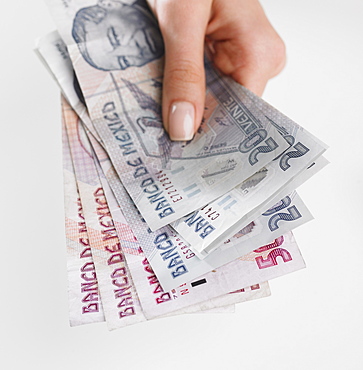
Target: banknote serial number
{"points": [[170, 189]]}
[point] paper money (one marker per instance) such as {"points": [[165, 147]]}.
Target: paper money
{"points": [[148, 283], [165, 179]]}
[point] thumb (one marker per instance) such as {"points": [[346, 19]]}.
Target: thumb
{"points": [[183, 24]]}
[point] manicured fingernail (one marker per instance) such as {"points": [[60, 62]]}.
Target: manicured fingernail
{"points": [[181, 121]]}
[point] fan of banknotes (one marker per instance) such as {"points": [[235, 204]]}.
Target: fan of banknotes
{"points": [[155, 227]]}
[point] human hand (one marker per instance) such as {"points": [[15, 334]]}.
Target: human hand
{"points": [[243, 45]]}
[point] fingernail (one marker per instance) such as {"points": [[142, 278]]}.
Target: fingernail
{"points": [[181, 121]]}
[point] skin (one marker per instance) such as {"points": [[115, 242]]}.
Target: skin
{"points": [[243, 43]]}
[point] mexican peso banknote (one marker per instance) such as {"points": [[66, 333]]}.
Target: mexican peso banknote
{"points": [[155, 302]]}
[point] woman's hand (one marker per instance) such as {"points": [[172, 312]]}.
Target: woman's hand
{"points": [[243, 43]]}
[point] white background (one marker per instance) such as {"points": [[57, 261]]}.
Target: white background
{"points": [[313, 320]]}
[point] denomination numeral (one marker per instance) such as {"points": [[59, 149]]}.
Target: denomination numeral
{"points": [[271, 259], [299, 151], [292, 215], [251, 142]]}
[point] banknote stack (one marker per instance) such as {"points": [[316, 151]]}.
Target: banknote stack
{"points": [[154, 227]]}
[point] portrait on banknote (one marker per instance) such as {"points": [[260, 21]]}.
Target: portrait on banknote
{"points": [[115, 35]]}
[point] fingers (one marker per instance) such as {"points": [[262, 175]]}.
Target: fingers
{"points": [[183, 25]]}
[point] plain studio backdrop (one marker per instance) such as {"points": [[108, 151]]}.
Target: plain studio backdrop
{"points": [[314, 317]]}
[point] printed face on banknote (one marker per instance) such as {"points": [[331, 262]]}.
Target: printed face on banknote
{"points": [[114, 36]]}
